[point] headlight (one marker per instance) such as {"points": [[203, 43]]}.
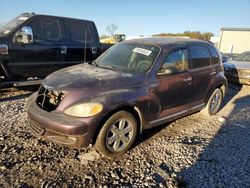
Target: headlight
{"points": [[84, 110]]}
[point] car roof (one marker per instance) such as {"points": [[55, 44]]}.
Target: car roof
{"points": [[52, 16], [163, 41]]}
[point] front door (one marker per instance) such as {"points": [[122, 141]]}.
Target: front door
{"points": [[173, 91], [44, 55]]}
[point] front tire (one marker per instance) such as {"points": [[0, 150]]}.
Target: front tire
{"points": [[117, 134], [214, 103]]}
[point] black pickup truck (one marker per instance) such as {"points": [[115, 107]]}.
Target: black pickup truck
{"points": [[34, 45]]}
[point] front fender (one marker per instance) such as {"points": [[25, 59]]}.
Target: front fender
{"points": [[124, 97]]}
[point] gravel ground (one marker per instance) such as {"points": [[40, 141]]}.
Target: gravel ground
{"points": [[195, 151]]}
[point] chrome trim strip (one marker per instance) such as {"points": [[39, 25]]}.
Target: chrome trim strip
{"points": [[168, 117], [178, 113], [198, 106]]}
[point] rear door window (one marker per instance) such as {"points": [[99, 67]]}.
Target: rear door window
{"points": [[175, 62], [214, 54], [46, 29], [79, 31], [199, 55]]}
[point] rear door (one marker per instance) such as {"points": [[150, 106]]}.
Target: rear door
{"points": [[201, 70], [83, 41], [44, 55]]}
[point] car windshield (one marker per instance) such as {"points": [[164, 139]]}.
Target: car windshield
{"points": [[245, 56], [136, 58], [11, 25]]}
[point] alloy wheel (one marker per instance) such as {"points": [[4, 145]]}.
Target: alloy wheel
{"points": [[119, 135]]}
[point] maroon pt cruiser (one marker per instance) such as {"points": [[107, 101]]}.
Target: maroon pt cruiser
{"points": [[135, 85]]}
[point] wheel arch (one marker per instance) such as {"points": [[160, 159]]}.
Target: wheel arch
{"points": [[128, 108], [223, 88], [3, 70]]}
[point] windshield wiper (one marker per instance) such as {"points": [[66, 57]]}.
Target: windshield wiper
{"points": [[93, 63], [108, 67]]}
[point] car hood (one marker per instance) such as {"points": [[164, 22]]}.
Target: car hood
{"points": [[92, 77], [237, 64]]}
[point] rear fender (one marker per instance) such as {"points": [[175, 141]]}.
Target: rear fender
{"points": [[221, 83]]}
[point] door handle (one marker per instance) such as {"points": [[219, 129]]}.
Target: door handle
{"points": [[94, 50], [187, 79], [63, 49], [212, 73]]}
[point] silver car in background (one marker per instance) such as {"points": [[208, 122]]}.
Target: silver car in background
{"points": [[238, 70]]}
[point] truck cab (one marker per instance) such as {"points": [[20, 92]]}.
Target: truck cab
{"points": [[34, 45]]}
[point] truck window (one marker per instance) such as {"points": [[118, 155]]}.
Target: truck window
{"points": [[214, 55], [200, 56], [46, 29], [175, 62], [79, 31]]}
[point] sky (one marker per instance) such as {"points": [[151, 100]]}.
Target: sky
{"points": [[141, 17]]}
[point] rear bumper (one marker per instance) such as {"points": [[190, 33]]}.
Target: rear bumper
{"points": [[59, 127]]}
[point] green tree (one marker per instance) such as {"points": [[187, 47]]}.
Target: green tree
{"points": [[192, 34]]}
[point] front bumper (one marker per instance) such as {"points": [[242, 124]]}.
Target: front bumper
{"points": [[59, 127], [238, 76], [244, 81]]}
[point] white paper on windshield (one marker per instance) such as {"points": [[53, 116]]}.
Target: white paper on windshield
{"points": [[23, 18], [142, 51]]}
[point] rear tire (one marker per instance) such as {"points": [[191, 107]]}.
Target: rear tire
{"points": [[213, 104], [117, 134]]}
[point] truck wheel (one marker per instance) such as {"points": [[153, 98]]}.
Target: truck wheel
{"points": [[117, 134], [213, 104]]}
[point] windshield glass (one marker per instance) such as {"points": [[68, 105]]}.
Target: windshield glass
{"points": [[11, 25], [136, 58], [245, 56]]}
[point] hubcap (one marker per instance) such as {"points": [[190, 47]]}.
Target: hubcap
{"points": [[215, 102], [119, 135]]}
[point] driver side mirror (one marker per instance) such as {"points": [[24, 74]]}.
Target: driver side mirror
{"points": [[25, 35], [166, 71]]}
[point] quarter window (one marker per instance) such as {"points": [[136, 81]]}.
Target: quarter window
{"points": [[200, 56], [175, 62], [214, 54], [79, 31], [46, 29]]}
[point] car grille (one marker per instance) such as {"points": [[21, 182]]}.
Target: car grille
{"points": [[49, 99]]}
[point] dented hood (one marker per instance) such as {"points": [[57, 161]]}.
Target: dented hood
{"points": [[90, 76]]}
